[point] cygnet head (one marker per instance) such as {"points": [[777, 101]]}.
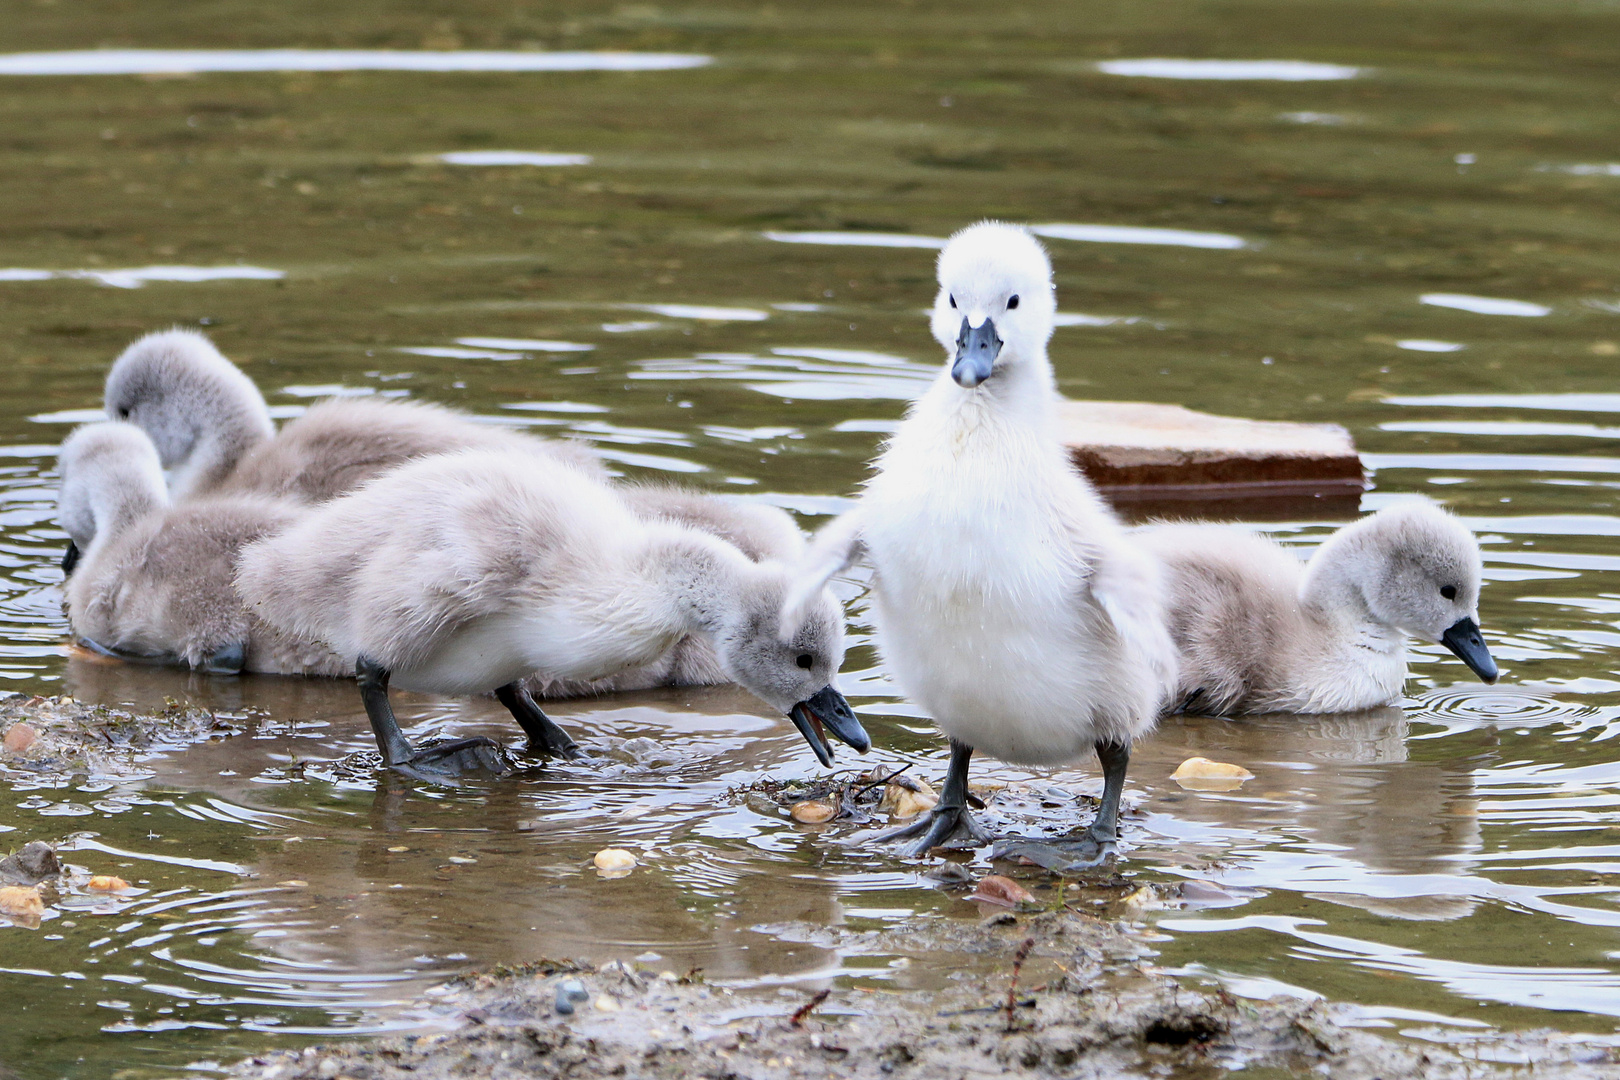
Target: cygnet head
{"points": [[182, 392], [995, 304], [110, 476], [792, 671], [1418, 569]]}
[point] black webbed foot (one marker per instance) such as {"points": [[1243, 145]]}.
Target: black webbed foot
{"points": [[439, 763], [943, 826], [448, 761], [1063, 854], [949, 823]]}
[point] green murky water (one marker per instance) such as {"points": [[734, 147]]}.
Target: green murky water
{"points": [[1444, 865]]}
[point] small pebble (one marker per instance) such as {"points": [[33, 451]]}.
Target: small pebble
{"points": [[604, 1003], [570, 991], [19, 738], [396, 850], [614, 859], [106, 883], [461, 860], [812, 812]]}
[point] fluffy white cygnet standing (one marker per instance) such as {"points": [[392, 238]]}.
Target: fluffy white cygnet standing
{"points": [[1008, 599], [464, 573], [1259, 631], [154, 580], [213, 431]]}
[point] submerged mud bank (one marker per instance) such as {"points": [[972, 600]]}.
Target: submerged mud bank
{"points": [[1085, 1002], [61, 736]]}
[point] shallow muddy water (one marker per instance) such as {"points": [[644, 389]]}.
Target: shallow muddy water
{"points": [[716, 273]]}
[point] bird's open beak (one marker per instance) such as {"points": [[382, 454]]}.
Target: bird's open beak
{"points": [[827, 711], [976, 352], [70, 559], [1463, 638]]}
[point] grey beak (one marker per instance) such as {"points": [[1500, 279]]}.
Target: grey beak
{"points": [[1463, 638], [976, 352], [828, 707]]}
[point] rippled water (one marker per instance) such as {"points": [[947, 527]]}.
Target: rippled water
{"points": [[1401, 221]]}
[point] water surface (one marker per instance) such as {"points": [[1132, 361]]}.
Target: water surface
{"points": [[1420, 248]]}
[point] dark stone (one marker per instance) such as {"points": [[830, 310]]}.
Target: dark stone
{"points": [[30, 866]]}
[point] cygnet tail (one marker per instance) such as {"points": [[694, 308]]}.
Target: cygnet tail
{"points": [[830, 553]]}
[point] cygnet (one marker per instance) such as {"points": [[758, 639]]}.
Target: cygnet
{"points": [[213, 431], [154, 580], [1258, 631], [1009, 601], [466, 572]]}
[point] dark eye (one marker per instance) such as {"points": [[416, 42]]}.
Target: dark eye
{"points": [[123, 414], [806, 661], [1012, 302], [953, 303], [1449, 592]]}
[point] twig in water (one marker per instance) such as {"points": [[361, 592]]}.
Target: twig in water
{"points": [[808, 1007], [885, 780], [1012, 989]]}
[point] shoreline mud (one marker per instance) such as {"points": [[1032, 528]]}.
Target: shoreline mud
{"points": [[1088, 1004]]}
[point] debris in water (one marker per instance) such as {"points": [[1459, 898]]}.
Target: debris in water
{"points": [[813, 811], [106, 883], [19, 738], [798, 1018], [21, 902], [611, 859], [1003, 891], [905, 797], [30, 866], [1202, 774]]}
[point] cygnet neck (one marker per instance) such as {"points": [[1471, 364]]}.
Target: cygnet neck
{"points": [[1333, 591], [122, 496], [222, 441], [701, 575]]}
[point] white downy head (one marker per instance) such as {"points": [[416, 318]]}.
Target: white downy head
{"points": [[200, 411], [110, 477], [1417, 569], [996, 303], [792, 667]]}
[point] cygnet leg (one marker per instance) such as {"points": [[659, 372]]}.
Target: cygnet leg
{"points": [[950, 819], [545, 737], [1099, 841], [436, 763]]}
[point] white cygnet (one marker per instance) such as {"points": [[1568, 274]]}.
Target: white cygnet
{"points": [[464, 573], [1258, 631], [1008, 599], [153, 582]]}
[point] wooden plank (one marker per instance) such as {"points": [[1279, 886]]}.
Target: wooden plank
{"points": [[1142, 452]]}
